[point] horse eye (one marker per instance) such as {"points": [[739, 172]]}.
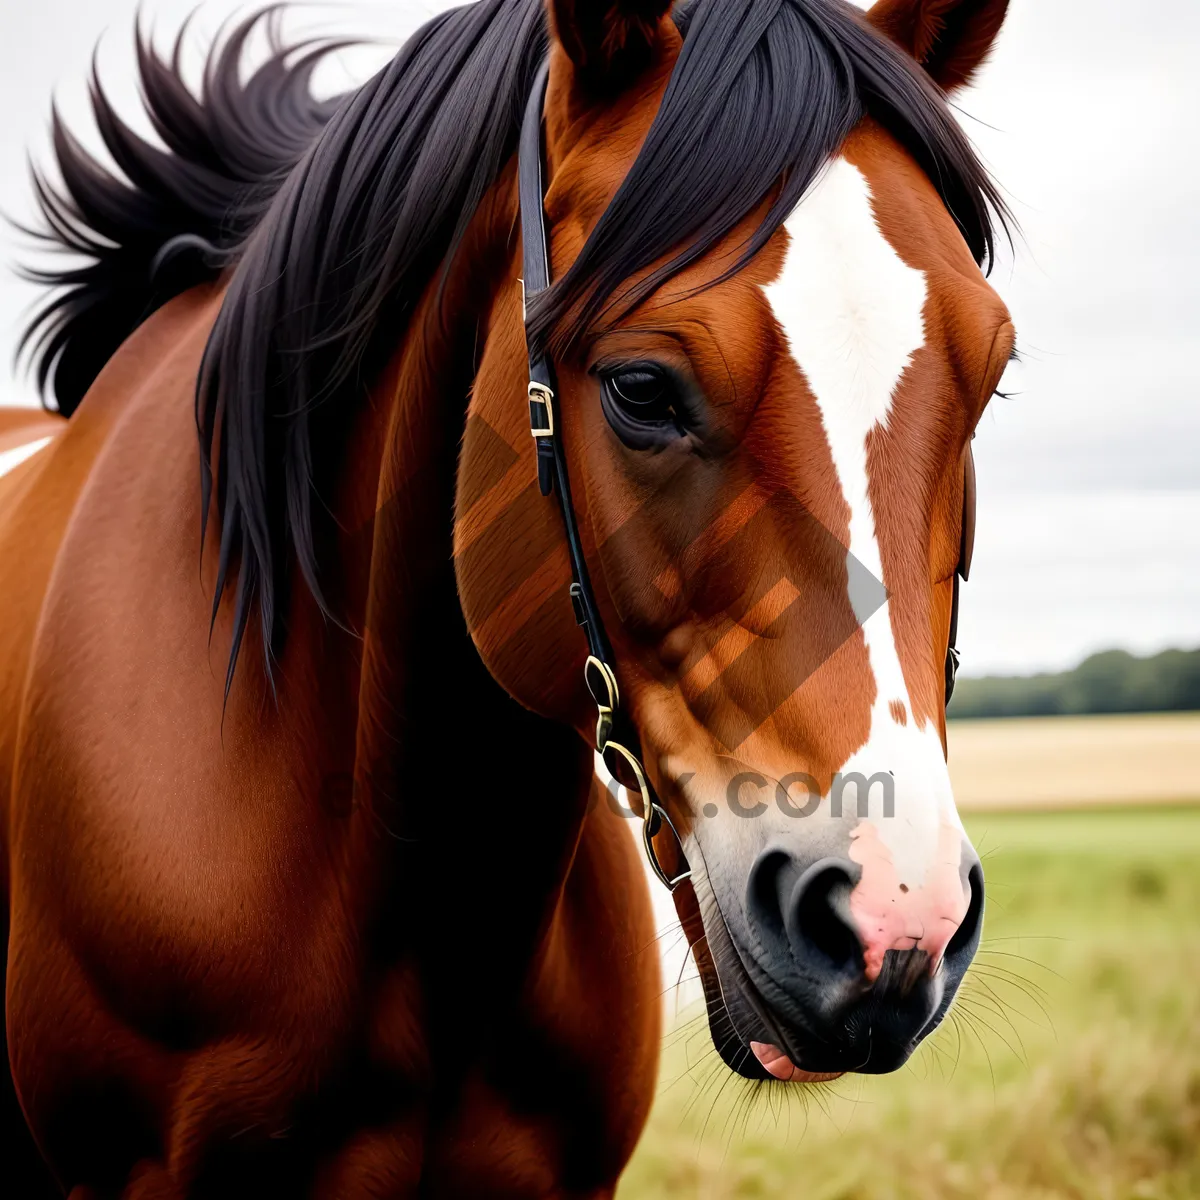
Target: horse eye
{"points": [[644, 393]]}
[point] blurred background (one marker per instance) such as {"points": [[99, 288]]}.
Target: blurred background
{"points": [[1072, 1064]]}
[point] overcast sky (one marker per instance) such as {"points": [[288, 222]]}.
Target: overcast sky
{"points": [[1089, 521]]}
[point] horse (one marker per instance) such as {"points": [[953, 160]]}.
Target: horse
{"points": [[314, 885]]}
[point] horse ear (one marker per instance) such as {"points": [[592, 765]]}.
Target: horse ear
{"points": [[608, 41], [949, 38]]}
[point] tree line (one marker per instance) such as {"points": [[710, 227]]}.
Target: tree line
{"points": [[1111, 682]]}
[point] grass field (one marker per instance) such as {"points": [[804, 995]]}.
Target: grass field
{"points": [[1056, 762], [1071, 1067]]}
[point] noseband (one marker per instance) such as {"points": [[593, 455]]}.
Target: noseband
{"points": [[616, 738]]}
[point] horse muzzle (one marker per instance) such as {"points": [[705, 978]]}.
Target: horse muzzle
{"points": [[814, 981]]}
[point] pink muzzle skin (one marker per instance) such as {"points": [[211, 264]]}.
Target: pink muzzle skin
{"points": [[777, 1063], [891, 915]]}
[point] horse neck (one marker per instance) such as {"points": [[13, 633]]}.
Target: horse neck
{"points": [[485, 799]]}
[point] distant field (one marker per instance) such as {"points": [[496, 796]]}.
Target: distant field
{"points": [[1071, 1070], [1057, 762]]}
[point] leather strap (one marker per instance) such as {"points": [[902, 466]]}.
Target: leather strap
{"points": [[966, 551], [545, 424], [544, 418], [536, 279]]}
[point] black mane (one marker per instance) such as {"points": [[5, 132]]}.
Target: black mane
{"points": [[180, 212], [339, 218]]}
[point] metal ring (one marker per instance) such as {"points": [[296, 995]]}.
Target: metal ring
{"points": [[610, 698], [654, 816], [668, 881]]}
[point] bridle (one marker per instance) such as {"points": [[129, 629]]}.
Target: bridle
{"points": [[616, 738], [966, 549]]}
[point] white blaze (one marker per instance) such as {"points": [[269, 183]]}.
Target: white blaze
{"points": [[852, 311]]}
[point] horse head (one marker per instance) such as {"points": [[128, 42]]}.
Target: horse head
{"points": [[772, 341]]}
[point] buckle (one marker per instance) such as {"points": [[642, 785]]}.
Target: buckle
{"points": [[541, 424]]}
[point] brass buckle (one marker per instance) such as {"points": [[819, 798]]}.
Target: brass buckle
{"points": [[539, 393]]}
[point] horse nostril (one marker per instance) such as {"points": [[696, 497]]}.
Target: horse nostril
{"points": [[966, 936], [804, 915], [819, 924], [772, 878]]}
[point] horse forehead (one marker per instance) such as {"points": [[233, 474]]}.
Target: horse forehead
{"points": [[850, 307]]}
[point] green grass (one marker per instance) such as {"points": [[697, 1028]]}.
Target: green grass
{"points": [[1071, 1067]]}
